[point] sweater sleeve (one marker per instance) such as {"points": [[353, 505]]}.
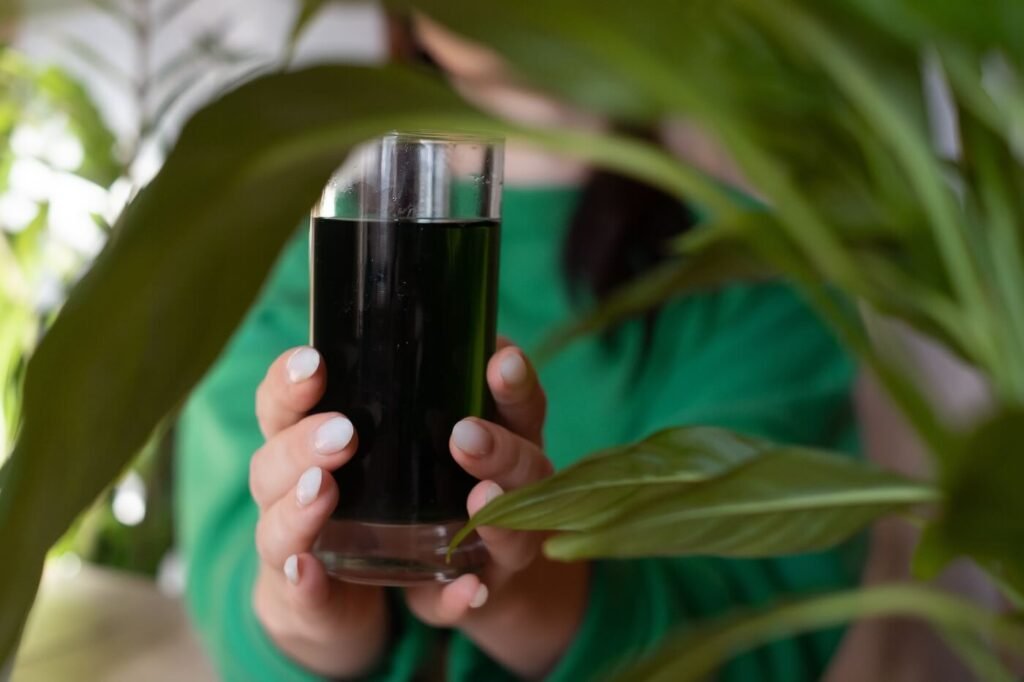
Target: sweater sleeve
{"points": [[755, 360], [216, 518]]}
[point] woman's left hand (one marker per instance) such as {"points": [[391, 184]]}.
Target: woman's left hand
{"points": [[524, 609]]}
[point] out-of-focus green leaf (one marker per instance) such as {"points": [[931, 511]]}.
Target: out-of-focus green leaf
{"points": [[29, 93], [182, 265], [983, 516], [977, 655], [308, 11], [571, 47], [696, 490], [982, 26], [100, 163], [696, 655]]}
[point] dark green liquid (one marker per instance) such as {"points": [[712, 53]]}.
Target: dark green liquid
{"points": [[404, 316]]}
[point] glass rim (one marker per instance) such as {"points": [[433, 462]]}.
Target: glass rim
{"points": [[444, 136]]}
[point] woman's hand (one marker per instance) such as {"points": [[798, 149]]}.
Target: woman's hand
{"points": [[333, 628], [524, 609]]}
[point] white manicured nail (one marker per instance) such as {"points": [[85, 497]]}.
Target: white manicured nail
{"points": [[513, 369], [333, 435], [493, 491], [471, 438], [291, 569], [480, 598], [309, 485], [302, 364]]}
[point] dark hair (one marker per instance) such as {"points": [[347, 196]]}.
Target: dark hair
{"points": [[620, 227], [620, 230]]}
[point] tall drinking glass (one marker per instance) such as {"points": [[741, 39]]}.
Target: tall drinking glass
{"points": [[404, 270]]}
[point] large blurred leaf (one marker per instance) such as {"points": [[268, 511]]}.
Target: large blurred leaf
{"points": [[984, 512], [696, 655], [180, 269], [703, 491]]}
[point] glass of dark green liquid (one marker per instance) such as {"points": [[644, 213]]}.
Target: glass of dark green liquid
{"points": [[404, 275]]}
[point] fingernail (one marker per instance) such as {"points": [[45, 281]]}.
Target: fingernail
{"points": [[309, 485], [480, 598], [471, 438], [493, 490], [513, 369], [291, 569], [333, 435], [302, 364]]}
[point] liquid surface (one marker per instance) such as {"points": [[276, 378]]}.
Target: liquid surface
{"points": [[403, 314]]}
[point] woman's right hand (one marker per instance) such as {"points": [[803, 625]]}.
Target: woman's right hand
{"points": [[333, 628]]}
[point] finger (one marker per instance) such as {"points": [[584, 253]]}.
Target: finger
{"points": [[316, 598], [517, 393], [445, 605], [291, 387], [292, 524], [323, 440], [300, 604], [488, 451], [511, 550]]}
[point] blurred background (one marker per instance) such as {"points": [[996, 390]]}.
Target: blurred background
{"points": [[99, 92]]}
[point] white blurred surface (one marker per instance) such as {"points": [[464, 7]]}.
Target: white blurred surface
{"points": [[99, 625]]}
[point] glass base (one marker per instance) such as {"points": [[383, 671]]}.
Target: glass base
{"points": [[397, 554]]}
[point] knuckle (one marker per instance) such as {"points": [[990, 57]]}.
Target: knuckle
{"points": [[265, 545], [258, 536], [261, 399], [544, 466], [254, 480], [423, 605]]}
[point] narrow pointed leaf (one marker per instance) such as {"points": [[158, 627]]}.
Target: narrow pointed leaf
{"points": [[786, 501], [600, 487], [696, 655]]}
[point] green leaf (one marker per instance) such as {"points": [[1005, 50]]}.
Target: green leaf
{"points": [[182, 266], [698, 490], [308, 11], [100, 163], [983, 516], [600, 487], [786, 501], [977, 655], [696, 655]]}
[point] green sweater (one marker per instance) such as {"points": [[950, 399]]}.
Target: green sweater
{"points": [[751, 358]]}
